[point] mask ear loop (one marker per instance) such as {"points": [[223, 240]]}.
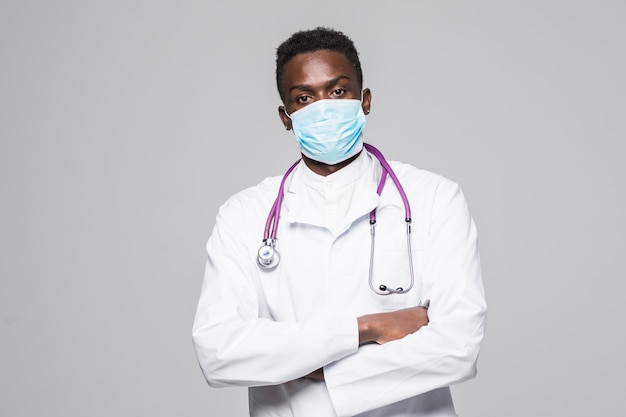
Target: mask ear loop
{"points": [[361, 101]]}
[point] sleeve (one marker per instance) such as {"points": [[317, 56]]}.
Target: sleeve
{"points": [[445, 351], [235, 341]]}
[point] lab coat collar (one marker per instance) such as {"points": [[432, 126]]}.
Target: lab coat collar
{"points": [[308, 193]]}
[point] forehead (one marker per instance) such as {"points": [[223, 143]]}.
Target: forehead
{"points": [[317, 67]]}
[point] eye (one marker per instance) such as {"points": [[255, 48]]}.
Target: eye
{"points": [[337, 92], [304, 99]]}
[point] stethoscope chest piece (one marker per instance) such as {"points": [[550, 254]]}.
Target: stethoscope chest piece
{"points": [[268, 257]]}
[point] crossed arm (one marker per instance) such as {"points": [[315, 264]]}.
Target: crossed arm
{"points": [[236, 346], [381, 328]]}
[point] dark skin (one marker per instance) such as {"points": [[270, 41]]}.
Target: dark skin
{"points": [[315, 76], [322, 75]]}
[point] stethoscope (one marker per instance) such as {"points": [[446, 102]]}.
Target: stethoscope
{"points": [[268, 257]]}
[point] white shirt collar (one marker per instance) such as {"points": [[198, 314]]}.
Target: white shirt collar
{"points": [[336, 200]]}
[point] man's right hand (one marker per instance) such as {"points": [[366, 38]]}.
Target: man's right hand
{"points": [[384, 327]]}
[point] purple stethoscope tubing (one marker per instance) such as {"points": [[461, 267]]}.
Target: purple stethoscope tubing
{"points": [[271, 225], [388, 171], [268, 258], [383, 289]]}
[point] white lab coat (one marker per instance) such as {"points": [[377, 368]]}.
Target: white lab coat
{"points": [[265, 330]]}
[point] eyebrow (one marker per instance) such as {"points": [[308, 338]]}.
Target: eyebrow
{"points": [[328, 83]]}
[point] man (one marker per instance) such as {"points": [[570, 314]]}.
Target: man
{"points": [[319, 330]]}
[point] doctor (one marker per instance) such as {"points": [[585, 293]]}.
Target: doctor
{"points": [[312, 335]]}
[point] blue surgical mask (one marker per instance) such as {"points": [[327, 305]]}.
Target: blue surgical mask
{"points": [[329, 131]]}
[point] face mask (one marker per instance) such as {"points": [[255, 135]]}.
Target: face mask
{"points": [[329, 131]]}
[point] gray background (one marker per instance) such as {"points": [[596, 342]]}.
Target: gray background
{"points": [[125, 124]]}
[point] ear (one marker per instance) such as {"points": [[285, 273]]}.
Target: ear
{"points": [[367, 100], [282, 113]]}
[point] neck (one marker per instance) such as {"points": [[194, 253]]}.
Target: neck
{"points": [[323, 169]]}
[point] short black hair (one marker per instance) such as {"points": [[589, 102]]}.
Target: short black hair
{"points": [[311, 41]]}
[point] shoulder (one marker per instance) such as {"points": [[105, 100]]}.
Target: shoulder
{"points": [[244, 213], [259, 196], [434, 198]]}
